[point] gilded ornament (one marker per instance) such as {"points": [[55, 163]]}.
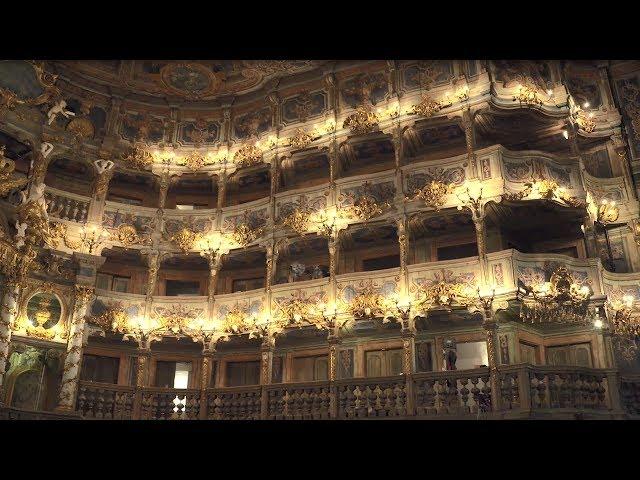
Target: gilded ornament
{"points": [[427, 107], [247, 156], [185, 238], [364, 120], [7, 183], [138, 158], [127, 234], [434, 193], [301, 139], [527, 95]]}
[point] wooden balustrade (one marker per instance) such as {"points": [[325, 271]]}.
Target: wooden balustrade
{"points": [[458, 392], [525, 391], [372, 397], [304, 401], [234, 403], [170, 404], [66, 206], [105, 401]]}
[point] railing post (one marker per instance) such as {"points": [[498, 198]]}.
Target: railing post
{"points": [[266, 366], [408, 367], [334, 341], [141, 379], [613, 393], [524, 389], [207, 361]]}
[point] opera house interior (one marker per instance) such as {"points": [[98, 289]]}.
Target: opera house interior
{"points": [[317, 239]]}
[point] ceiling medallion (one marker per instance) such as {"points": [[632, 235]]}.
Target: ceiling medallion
{"points": [[191, 80]]}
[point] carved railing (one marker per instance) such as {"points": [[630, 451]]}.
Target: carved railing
{"points": [[457, 393], [630, 394], [548, 389], [105, 401], [170, 404], [372, 397], [524, 391], [12, 413], [302, 401], [66, 206], [234, 403]]}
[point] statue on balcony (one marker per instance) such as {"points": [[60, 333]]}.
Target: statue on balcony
{"points": [[298, 269], [59, 108], [449, 354]]}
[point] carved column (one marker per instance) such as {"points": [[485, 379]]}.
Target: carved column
{"points": [[408, 362], [153, 262], [334, 166], [38, 169], [205, 378], [478, 216], [104, 169], [403, 242], [222, 190], [470, 138], [8, 312], [142, 379], [490, 329], [266, 366], [164, 181], [73, 358], [272, 260], [334, 342]]}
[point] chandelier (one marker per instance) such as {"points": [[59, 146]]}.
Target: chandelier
{"points": [[561, 300]]}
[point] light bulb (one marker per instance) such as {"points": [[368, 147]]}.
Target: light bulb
{"points": [[598, 323], [565, 134]]}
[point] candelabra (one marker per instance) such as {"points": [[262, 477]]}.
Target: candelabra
{"points": [[92, 236], [561, 300]]}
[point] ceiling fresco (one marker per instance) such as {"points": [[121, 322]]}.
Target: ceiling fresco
{"points": [[189, 79]]}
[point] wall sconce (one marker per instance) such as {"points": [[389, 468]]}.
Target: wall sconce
{"points": [[92, 236], [470, 194]]}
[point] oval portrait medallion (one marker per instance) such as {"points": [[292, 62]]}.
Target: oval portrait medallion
{"points": [[189, 80]]}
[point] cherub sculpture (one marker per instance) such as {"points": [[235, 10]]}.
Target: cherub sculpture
{"points": [[59, 109]]}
